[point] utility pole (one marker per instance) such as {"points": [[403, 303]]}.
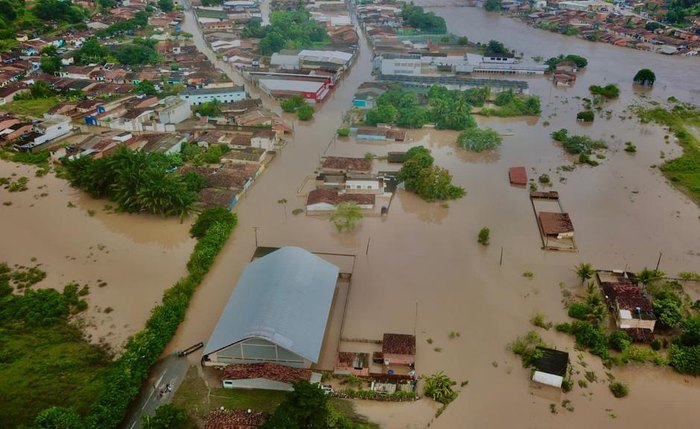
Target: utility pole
{"points": [[255, 228], [659, 261], [501, 261], [368, 241]]}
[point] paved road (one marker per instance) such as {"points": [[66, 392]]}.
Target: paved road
{"points": [[170, 370]]}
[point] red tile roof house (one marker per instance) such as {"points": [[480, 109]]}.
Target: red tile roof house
{"points": [[267, 375], [327, 200], [235, 419], [399, 353], [337, 164]]}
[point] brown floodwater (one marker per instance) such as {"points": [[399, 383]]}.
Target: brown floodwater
{"points": [[137, 256], [420, 269], [425, 272]]}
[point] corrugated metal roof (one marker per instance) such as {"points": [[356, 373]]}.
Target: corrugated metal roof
{"points": [[284, 297]]}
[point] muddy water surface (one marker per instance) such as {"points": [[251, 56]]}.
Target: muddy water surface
{"points": [[137, 257]]}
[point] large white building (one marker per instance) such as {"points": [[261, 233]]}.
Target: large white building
{"points": [[195, 97], [53, 126], [173, 110]]}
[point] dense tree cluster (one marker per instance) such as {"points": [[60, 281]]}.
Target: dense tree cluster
{"points": [[608, 91], [511, 104], [287, 30], [418, 18], [679, 11], [479, 140], [448, 109], [581, 62], [136, 181], [137, 52], [58, 11], [496, 48], [493, 5], [430, 182], [577, 144]]}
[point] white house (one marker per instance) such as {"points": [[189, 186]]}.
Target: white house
{"points": [[53, 126], [327, 200], [174, 110], [264, 139], [364, 185], [229, 94], [550, 367]]}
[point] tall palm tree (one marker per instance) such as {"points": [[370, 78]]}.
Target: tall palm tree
{"points": [[584, 271]]}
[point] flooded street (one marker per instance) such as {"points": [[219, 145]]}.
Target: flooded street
{"points": [[420, 269], [424, 270], [134, 257]]}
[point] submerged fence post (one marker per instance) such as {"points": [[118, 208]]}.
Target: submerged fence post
{"points": [[501, 261]]}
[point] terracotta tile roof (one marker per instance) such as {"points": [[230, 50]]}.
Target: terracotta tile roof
{"points": [[555, 223], [346, 358], [517, 175], [267, 370], [347, 164], [399, 344], [213, 197], [235, 419], [331, 196]]}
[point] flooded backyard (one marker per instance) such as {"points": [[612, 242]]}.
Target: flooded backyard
{"points": [[419, 269], [126, 260]]}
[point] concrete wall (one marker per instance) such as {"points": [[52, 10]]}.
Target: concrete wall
{"points": [[257, 383], [548, 379], [402, 66]]}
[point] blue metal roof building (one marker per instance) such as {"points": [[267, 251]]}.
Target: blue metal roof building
{"points": [[277, 313]]}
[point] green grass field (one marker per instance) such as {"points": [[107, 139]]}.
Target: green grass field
{"points": [[34, 108], [46, 366], [684, 122]]}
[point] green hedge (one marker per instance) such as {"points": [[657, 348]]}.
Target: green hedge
{"points": [[128, 373]]}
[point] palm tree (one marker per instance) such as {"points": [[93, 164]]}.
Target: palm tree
{"points": [[439, 387], [584, 271]]}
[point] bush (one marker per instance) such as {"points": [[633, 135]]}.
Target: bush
{"points": [[484, 234], [305, 112], [544, 179], [620, 340], [210, 217], [479, 140], [567, 385], [290, 105], [579, 310], [343, 132], [585, 116], [438, 386], [655, 344], [526, 348], [608, 91], [619, 390]]}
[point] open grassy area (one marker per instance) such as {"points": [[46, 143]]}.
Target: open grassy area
{"points": [[34, 107], [42, 367], [684, 122], [198, 400]]}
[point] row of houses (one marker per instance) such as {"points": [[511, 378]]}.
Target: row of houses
{"points": [[31, 136]]}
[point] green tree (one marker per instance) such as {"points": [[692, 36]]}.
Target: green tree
{"points": [[478, 140], [484, 235], [381, 115], [209, 108], [438, 386], [608, 91], [645, 77], [292, 103], [346, 216], [166, 5], [167, 416], [584, 271], [667, 308], [493, 5], [306, 407], [494, 47], [91, 51], [50, 65], [146, 87], [41, 89], [107, 4], [305, 112], [428, 22]]}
